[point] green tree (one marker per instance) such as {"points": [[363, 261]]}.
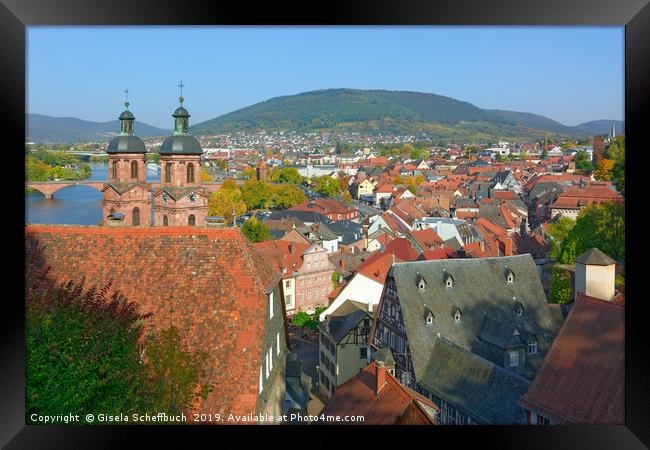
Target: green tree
{"points": [[256, 194], [301, 319], [597, 225], [85, 352], [36, 170], [327, 186], [346, 197], [616, 147], [335, 279], [82, 352], [255, 230], [223, 202], [287, 195], [289, 175], [558, 232], [618, 173], [583, 163], [416, 153], [561, 289]]}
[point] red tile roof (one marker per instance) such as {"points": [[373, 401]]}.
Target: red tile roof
{"points": [[393, 404], [486, 225], [438, 253], [278, 254], [504, 195], [216, 282], [376, 267], [402, 249], [426, 238], [324, 206], [582, 378], [577, 196]]}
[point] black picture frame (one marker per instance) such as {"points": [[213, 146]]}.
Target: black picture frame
{"points": [[15, 15]]}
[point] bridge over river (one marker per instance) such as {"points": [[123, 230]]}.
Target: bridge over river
{"points": [[48, 188]]}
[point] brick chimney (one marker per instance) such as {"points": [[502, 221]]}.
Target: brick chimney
{"points": [[292, 248], [380, 376], [342, 264]]}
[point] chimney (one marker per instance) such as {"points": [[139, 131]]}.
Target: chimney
{"points": [[482, 244], [380, 376], [343, 265], [292, 248]]}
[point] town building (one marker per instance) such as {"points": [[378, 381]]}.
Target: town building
{"points": [[343, 344], [582, 379], [306, 272], [467, 333], [380, 399]]}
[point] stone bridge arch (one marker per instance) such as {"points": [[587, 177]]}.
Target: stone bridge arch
{"points": [[48, 188]]}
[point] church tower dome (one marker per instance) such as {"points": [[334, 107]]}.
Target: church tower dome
{"points": [[126, 142], [181, 142]]}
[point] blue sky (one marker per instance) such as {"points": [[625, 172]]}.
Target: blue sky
{"points": [[570, 74]]}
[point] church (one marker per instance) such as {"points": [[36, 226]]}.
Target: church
{"points": [[177, 200]]}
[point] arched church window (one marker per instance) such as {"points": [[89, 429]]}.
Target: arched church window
{"points": [[168, 173], [134, 169], [190, 173], [136, 216], [165, 221], [191, 221]]}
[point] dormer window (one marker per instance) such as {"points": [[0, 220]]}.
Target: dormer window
{"points": [[519, 308], [422, 284], [457, 315], [428, 315], [510, 277], [449, 281]]}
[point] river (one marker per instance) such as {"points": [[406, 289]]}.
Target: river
{"points": [[78, 205]]}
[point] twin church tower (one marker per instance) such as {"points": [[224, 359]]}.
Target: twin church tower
{"points": [[177, 200]]}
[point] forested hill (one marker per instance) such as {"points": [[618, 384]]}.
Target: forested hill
{"points": [[41, 128], [379, 111]]}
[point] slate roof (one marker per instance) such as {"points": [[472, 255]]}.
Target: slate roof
{"points": [[481, 291], [302, 216], [214, 277], [340, 326], [358, 396], [474, 385], [126, 144], [182, 144], [595, 257], [582, 380]]}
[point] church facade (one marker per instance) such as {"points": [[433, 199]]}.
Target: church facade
{"points": [[177, 200]]}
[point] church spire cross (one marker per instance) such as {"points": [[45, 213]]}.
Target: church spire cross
{"points": [[181, 85], [126, 93]]}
